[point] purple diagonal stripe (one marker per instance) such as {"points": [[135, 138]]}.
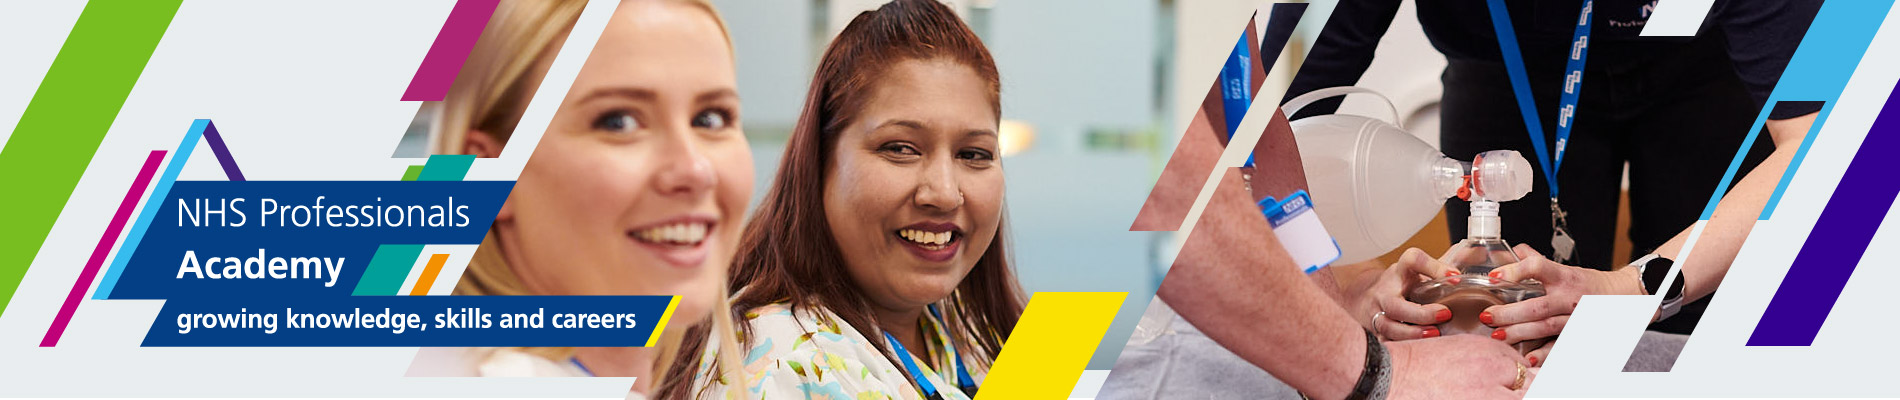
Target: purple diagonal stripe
{"points": [[99, 252], [1839, 238], [224, 154], [450, 50]]}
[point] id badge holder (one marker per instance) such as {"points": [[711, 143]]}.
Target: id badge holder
{"points": [[1300, 231]]}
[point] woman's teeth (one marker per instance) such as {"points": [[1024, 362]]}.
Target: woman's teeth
{"points": [[930, 240], [685, 233]]}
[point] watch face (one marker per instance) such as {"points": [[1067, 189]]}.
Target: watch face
{"points": [[1654, 271]]}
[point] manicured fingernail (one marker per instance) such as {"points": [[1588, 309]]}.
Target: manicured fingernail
{"points": [[1451, 273], [1497, 334], [1454, 280], [1534, 361], [1484, 317], [1495, 274], [1443, 315], [1430, 332]]}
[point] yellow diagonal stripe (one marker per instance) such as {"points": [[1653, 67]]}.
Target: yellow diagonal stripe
{"points": [[654, 338], [1051, 345]]}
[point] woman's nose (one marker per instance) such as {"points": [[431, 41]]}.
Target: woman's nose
{"points": [[937, 186], [684, 169]]}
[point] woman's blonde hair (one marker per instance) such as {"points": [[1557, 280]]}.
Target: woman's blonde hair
{"points": [[489, 96]]}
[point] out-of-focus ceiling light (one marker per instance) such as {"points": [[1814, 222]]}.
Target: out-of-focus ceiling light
{"points": [[1016, 137]]}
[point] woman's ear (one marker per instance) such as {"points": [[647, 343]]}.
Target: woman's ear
{"points": [[483, 145]]}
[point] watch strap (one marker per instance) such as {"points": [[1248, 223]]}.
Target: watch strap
{"points": [[1376, 380], [1655, 269]]}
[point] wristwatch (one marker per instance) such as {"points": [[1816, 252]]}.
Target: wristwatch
{"points": [[1655, 269]]}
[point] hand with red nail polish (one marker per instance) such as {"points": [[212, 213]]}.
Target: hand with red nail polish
{"points": [[1401, 319], [1537, 357], [1546, 316]]}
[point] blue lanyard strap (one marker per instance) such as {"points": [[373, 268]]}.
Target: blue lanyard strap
{"points": [[1551, 160], [1236, 88], [583, 367], [963, 374], [964, 381], [923, 382]]}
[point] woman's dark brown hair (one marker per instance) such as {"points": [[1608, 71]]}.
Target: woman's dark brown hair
{"points": [[788, 254]]}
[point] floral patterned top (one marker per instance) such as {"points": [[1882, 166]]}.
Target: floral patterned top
{"points": [[816, 355]]}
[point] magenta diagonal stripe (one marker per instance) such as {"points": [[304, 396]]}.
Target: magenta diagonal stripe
{"points": [[224, 154], [105, 247], [450, 50]]}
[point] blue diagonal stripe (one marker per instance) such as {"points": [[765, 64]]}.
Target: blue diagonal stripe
{"points": [[1828, 55], [1839, 239], [159, 191], [1819, 70]]}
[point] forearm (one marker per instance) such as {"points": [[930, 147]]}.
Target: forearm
{"points": [[1327, 283], [1232, 278], [1735, 215]]}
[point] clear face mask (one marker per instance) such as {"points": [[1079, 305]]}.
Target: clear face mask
{"points": [[1495, 176]]}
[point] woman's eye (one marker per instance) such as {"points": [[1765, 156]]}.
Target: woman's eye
{"points": [[712, 120], [976, 155], [900, 149], [616, 121]]}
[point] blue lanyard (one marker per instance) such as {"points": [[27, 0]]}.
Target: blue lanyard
{"points": [[1563, 247], [577, 364], [1236, 87], [923, 382], [1553, 159], [963, 374]]}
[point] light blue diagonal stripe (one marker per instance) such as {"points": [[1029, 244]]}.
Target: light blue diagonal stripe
{"points": [[1795, 163], [1829, 53], [152, 204]]}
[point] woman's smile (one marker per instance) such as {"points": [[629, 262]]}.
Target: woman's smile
{"points": [[933, 242], [682, 241]]}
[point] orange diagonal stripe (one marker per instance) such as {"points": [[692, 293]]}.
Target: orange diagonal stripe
{"points": [[428, 275]]}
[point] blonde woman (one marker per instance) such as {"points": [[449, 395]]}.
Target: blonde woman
{"points": [[638, 187]]}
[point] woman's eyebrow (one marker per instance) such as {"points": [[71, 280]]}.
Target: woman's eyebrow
{"points": [[918, 125], [716, 95], [641, 94], [905, 123]]}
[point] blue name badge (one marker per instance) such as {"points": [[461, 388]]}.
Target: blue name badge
{"points": [[1300, 231]]}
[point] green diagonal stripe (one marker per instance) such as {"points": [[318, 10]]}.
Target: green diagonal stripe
{"points": [[68, 117], [412, 173], [387, 269]]}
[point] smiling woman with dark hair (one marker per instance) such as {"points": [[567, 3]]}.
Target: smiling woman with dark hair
{"points": [[877, 265]]}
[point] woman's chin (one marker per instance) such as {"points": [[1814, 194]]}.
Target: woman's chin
{"points": [[925, 293]]}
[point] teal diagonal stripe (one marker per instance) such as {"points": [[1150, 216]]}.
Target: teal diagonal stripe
{"points": [[67, 118], [442, 167], [387, 269]]}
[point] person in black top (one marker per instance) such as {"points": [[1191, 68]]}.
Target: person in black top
{"points": [[1676, 109]]}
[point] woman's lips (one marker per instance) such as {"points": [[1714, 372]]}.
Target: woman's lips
{"points": [[681, 242], [933, 242]]}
